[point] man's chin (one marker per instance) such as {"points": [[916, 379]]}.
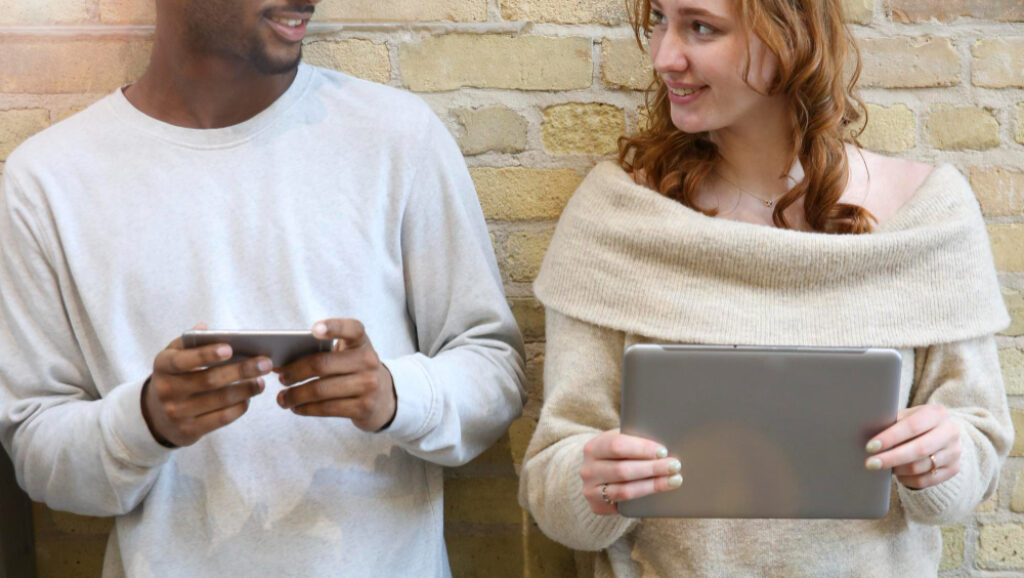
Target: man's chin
{"points": [[273, 65]]}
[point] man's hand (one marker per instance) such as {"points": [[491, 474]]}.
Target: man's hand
{"points": [[348, 382], [182, 402]]}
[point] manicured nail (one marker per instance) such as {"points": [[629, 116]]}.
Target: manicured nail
{"points": [[261, 384], [674, 466], [675, 481], [874, 464], [264, 365], [280, 399], [319, 329], [224, 351], [873, 446], [662, 453]]}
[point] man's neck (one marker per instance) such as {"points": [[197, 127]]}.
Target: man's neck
{"points": [[204, 92]]}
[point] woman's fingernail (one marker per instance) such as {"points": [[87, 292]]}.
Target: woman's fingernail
{"points": [[662, 453], [320, 329], [280, 399], [873, 464], [264, 365], [873, 446], [675, 481], [224, 351], [674, 466]]}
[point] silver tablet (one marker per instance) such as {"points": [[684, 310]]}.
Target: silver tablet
{"points": [[763, 432]]}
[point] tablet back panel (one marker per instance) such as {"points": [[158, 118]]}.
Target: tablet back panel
{"points": [[763, 432]]}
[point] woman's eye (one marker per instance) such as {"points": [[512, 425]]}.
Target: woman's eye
{"points": [[657, 18], [703, 29]]}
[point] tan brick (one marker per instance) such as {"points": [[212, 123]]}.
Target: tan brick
{"points": [[493, 554], [998, 63], [889, 129], [578, 12], [1017, 502], [1017, 416], [529, 314], [128, 11], [482, 501], [525, 251], [67, 113], [18, 125], [903, 62], [1015, 304], [922, 10], [952, 547], [547, 558], [70, 558], [859, 11], [1012, 363], [497, 455], [360, 58], [35, 12], [494, 128], [624, 65], [577, 128], [952, 128], [534, 380], [517, 193], [402, 10], [1019, 136], [70, 66], [989, 505], [520, 433], [1000, 191], [1006, 243], [492, 61], [999, 546]]}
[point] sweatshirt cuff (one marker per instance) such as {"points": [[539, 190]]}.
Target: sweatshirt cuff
{"points": [[125, 431], [417, 401]]}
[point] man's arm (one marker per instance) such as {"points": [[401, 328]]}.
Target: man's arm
{"points": [[456, 396], [70, 448]]}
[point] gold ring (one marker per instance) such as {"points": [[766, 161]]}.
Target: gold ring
{"points": [[604, 495], [934, 467]]}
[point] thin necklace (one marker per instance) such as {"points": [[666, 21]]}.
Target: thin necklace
{"points": [[766, 202]]}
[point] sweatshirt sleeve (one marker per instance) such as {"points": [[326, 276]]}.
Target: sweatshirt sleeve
{"points": [[582, 366], [966, 378], [462, 390], [72, 448]]}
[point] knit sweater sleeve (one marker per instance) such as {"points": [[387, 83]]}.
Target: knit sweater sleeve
{"points": [[581, 400], [965, 377]]}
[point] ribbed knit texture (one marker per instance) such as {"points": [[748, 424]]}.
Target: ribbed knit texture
{"points": [[683, 272], [627, 265]]}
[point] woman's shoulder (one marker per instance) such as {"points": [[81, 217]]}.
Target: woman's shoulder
{"points": [[883, 184]]}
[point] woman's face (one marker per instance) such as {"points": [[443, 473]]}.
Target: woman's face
{"points": [[700, 50]]}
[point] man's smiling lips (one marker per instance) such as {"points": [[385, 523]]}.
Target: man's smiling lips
{"points": [[289, 25]]}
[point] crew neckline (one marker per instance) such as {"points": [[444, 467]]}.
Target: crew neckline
{"points": [[213, 137]]}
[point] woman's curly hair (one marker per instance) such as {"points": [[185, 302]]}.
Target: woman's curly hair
{"points": [[813, 45]]}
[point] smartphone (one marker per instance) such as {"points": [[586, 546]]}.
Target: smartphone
{"points": [[282, 347]]}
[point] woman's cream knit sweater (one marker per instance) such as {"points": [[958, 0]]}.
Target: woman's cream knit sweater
{"points": [[628, 265]]}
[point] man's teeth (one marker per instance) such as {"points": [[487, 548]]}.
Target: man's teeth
{"points": [[288, 22], [683, 91]]}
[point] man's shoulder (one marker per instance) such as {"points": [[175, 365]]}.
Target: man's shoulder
{"points": [[372, 102]]}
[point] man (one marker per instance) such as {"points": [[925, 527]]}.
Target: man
{"points": [[232, 186]]}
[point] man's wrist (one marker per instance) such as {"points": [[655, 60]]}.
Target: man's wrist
{"points": [[149, 421]]}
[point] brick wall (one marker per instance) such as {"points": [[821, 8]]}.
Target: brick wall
{"points": [[535, 91]]}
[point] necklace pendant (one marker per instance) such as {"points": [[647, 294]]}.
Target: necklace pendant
{"points": [[769, 203]]}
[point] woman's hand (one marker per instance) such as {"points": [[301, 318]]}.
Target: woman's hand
{"points": [[922, 447], [619, 467]]}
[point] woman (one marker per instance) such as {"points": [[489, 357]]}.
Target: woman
{"points": [[746, 214]]}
